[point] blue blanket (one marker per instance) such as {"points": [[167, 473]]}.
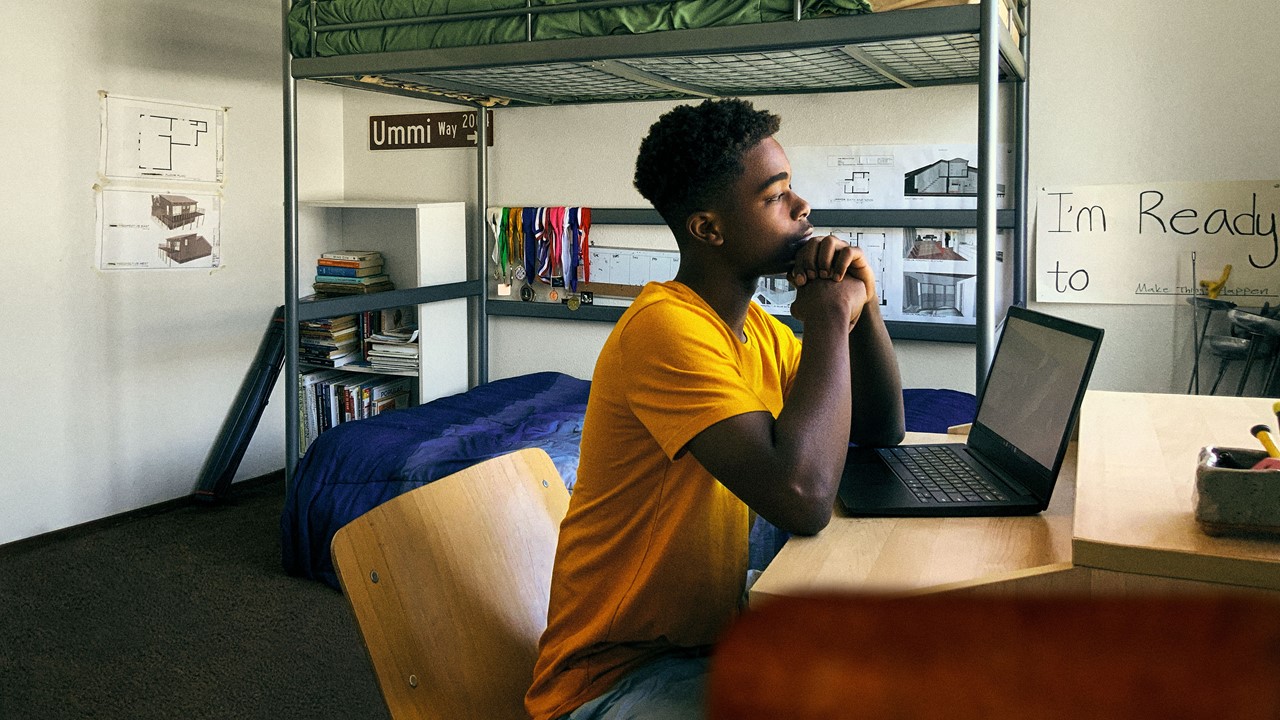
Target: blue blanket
{"points": [[356, 466]]}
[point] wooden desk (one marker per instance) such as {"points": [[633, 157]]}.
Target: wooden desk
{"points": [[1129, 481], [921, 555], [1135, 483]]}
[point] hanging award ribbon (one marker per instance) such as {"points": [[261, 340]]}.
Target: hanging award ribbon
{"points": [[530, 251], [579, 259], [555, 238], [584, 247], [544, 245], [511, 218], [496, 220], [559, 236]]}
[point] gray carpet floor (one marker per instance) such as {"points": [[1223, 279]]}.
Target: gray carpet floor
{"points": [[185, 613]]}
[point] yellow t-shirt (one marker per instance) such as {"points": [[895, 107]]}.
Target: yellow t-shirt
{"points": [[652, 555]]}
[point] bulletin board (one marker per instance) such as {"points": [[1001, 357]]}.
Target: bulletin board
{"points": [[1135, 244]]}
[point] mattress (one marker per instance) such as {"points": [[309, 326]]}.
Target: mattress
{"points": [[356, 466], [634, 19]]}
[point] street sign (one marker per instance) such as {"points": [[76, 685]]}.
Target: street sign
{"points": [[416, 131]]}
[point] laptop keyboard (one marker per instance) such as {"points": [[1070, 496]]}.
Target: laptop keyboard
{"points": [[941, 477]]}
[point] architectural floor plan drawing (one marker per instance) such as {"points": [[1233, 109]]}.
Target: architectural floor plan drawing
{"points": [[152, 139], [163, 139], [889, 177], [159, 190]]}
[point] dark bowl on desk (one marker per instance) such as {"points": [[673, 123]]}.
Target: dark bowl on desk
{"points": [[1231, 499]]}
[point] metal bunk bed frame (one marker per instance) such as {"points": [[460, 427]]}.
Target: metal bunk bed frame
{"points": [[961, 44]]}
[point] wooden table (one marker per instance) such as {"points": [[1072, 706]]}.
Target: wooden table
{"points": [[919, 555], [1127, 485], [1136, 478]]}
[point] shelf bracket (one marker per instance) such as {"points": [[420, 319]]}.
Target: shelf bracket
{"points": [[471, 89], [865, 58], [622, 70]]}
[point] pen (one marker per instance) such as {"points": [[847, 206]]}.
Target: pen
{"points": [[1263, 433]]}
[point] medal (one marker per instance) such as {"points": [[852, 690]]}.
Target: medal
{"points": [[573, 302], [526, 293]]}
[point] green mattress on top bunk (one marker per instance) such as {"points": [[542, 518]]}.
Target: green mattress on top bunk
{"points": [[437, 33]]}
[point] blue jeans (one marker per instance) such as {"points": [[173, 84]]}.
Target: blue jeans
{"points": [[671, 688]]}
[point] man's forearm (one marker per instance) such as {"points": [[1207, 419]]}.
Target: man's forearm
{"points": [[874, 382]]}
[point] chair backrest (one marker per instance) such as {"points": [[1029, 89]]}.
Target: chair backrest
{"points": [[450, 583]]}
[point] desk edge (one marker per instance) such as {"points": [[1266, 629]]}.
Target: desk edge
{"points": [[1256, 573]]}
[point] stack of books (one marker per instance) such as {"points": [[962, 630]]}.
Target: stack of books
{"points": [[351, 272], [329, 342], [328, 398], [394, 350]]}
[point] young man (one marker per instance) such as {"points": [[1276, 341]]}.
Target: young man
{"points": [[703, 409]]}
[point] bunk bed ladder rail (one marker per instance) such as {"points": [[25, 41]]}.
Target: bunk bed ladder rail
{"points": [[290, 87]]}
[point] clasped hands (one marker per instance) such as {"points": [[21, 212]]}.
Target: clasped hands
{"points": [[852, 283]]}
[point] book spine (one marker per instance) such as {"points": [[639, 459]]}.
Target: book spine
{"points": [[366, 329], [351, 255], [339, 271], [329, 262], [303, 435], [326, 399], [307, 406], [367, 280], [352, 288]]}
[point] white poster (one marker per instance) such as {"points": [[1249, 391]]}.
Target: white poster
{"points": [[157, 140], [1158, 243], [890, 177], [141, 229], [922, 274]]}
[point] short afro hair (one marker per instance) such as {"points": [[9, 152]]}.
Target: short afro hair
{"points": [[693, 153]]}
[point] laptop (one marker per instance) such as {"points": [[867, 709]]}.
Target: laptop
{"points": [[1010, 462]]}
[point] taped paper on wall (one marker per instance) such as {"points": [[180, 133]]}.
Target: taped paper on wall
{"points": [[894, 177], [141, 229], [157, 140], [1132, 244]]}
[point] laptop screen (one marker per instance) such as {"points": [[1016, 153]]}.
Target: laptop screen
{"points": [[1035, 383]]}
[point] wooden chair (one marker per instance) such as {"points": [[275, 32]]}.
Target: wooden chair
{"points": [[1000, 658], [450, 582]]}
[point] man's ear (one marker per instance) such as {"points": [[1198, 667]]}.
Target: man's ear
{"points": [[704, 227]]}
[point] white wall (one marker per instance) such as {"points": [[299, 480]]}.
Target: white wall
{"points": [[1127, 91], [119, 382]]}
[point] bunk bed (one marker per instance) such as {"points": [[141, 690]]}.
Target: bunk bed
{"points": [[578, 52]]}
